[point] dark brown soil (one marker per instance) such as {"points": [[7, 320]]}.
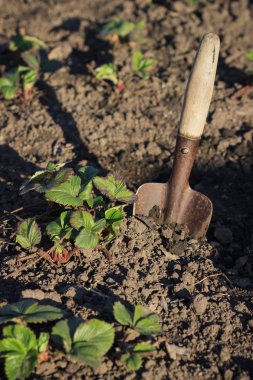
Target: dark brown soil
{"points": [[201, 290]]}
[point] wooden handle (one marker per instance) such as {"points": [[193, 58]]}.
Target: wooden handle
{"points": [[200, 88]]}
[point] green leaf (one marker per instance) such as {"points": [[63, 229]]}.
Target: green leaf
{"points": [[81, 219], [125, 28], [86, 191], [19, 366], [29, 79], [8, 88], [144, 348], [44, 180], [107, 72], [9, 83], [19, 349], [10, 346], [142, 66], [85, 352], [132, 361], [87, 173], [97, 333], [114, 188], [114, 217], [28, 233], [23, 334], [249, 55], [60, 227], [120, 27], [25, 42], [66, 193], [122, 314], [137, 57], [99, 225], [140, 25], [61, 334], [42, 342], [30, 311], [95, 202], [87, 238], [85, 342], [145, 321]]}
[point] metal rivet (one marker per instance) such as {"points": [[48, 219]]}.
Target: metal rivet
{"points": [[185, 150]]}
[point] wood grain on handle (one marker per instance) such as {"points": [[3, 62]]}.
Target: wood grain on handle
{"points": [[200, 88]]}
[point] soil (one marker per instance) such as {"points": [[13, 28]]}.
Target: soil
{"points": [[202, 290]]}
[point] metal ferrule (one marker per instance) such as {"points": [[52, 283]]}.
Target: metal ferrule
{"points": [[185, 153]]}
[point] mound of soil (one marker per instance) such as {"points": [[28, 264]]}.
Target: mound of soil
{"points": [[202, 290], [207, 322]]}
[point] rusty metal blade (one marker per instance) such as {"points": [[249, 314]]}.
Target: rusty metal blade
{"points": [[194, 210]]}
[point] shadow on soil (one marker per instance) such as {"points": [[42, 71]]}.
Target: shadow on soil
{"points": [[96, 50], [92, 49], [67, 123], [13, 168], [231, 74]]}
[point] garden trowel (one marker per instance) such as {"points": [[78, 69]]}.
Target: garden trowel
{"points": [[174, 201]]}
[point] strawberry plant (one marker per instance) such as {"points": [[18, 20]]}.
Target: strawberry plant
{"points": [[107, 71], [144, 322], [120, 29], [23, 66], [22, 351], [84, 341], [142, 66], [85, 218]]}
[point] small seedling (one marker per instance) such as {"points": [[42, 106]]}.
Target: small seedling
{"points": [[29, 311], [121, 28], [142, 66], [25, 42], [28, 233], [22, 77], [11, 81], [86, 342], [86, 219], [144, 322], [249, 55], [21, 350], [133, 358], [107, 71]]}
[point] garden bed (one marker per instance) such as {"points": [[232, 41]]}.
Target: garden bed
{"points": [[202, 291]]}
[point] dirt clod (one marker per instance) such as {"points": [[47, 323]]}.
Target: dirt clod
{"points": [[200, 304]]}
